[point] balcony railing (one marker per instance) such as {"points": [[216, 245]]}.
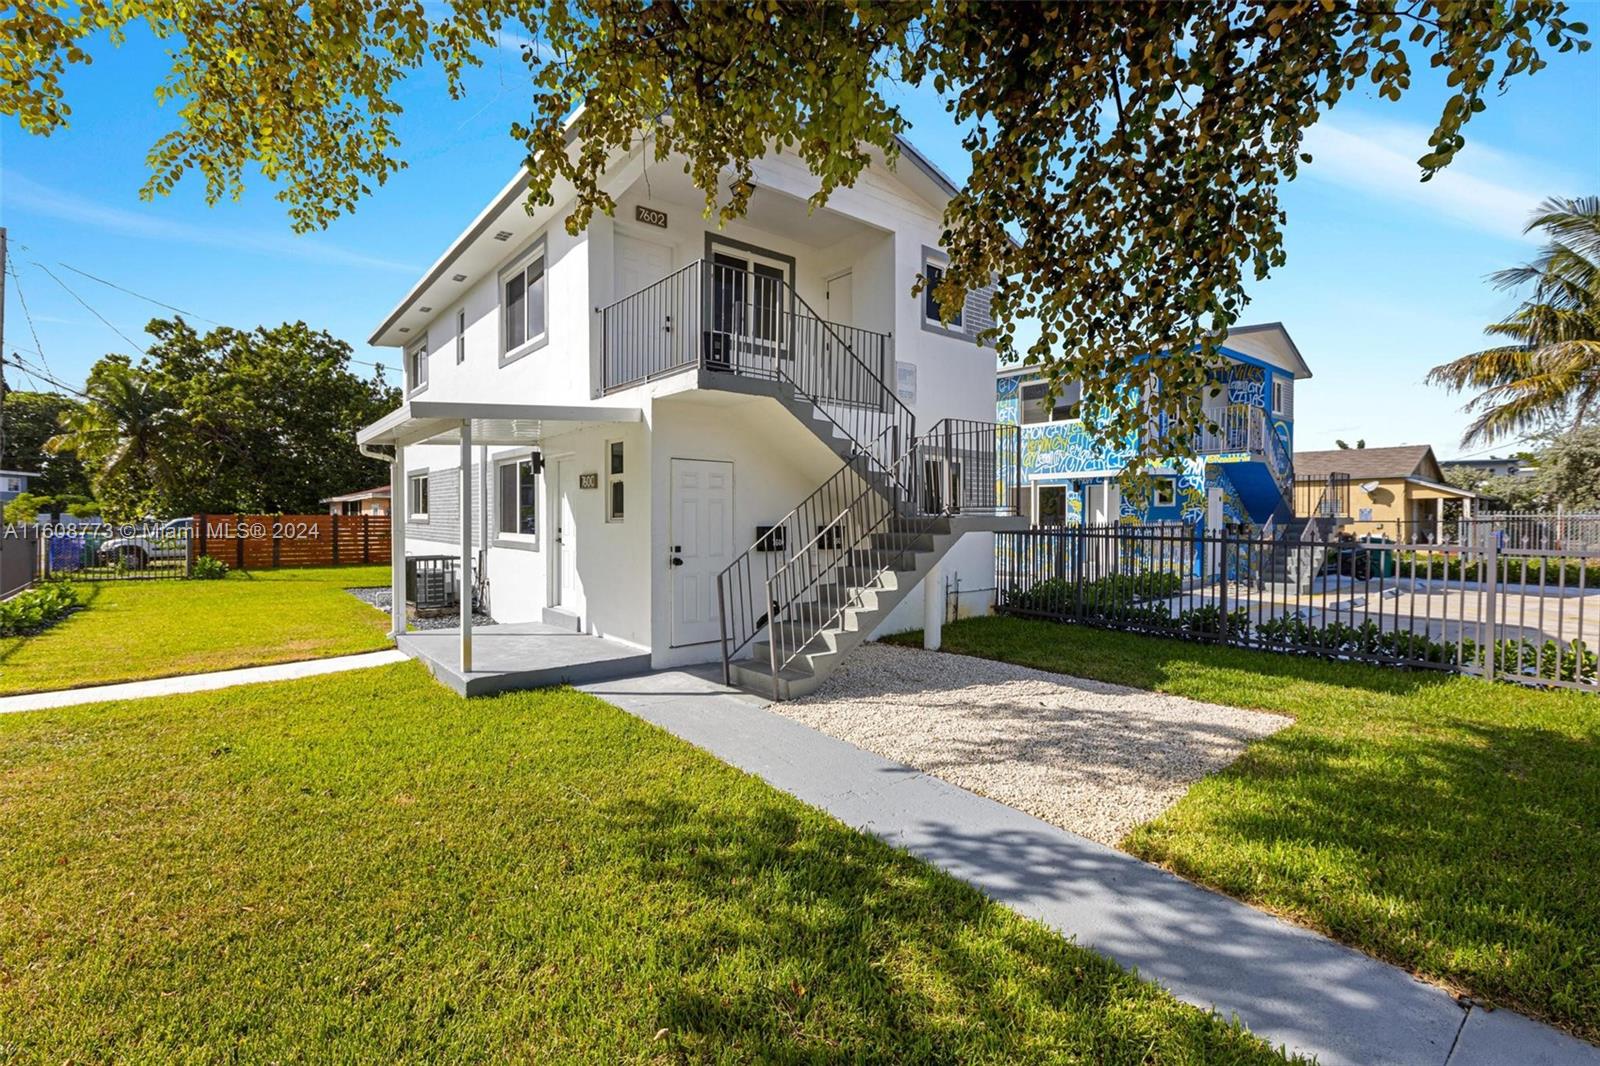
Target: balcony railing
{"points": [[1238, 427], [743, 322]]}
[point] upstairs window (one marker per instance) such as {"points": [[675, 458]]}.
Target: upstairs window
{"points": [[1165, 492], [417, 367], [461, 337], [517, 499], [1280, 396], [1067, 405], [523, 298], [932, 310]]}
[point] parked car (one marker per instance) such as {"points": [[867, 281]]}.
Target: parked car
{"points": [[168, 541]]}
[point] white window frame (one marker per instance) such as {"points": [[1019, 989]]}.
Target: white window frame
{"points": [[1280, 395], [616, 479], [524, 259], [1165, 485], [518, 540], [412, 514], [461, 336], [416, 366]]}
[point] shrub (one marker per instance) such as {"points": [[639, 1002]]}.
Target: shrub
{"points": [[38, 608], [1105, 594], [208, 568]]}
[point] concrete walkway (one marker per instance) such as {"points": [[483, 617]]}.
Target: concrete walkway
{"points": [[1291, 987], [172, 686]]}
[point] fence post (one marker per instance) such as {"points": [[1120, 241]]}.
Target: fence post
{"points": [[238, 541], [277, 543], [201, 524], [1222, 582], [333, 520], [1491, 596]]}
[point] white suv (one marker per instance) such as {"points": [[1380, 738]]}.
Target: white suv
{"points": [[170, 540]]}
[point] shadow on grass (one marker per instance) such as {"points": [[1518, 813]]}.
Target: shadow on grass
{"points": [[88, 593], [1465, 852], [863, 950], [1143, 661]]}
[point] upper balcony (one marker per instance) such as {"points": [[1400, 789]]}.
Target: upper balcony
{"points": [[1238, 428], [743, 320]]}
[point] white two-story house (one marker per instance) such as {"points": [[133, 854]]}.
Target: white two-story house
{"points": [[749, 444]]}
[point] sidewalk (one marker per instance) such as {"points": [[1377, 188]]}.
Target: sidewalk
{"points": [[172, 686], [1291, 987]]}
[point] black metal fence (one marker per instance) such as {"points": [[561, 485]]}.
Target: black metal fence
{"points": [[128, 552], [1521, 614]]}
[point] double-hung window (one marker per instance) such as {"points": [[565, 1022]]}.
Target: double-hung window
{"points": [[616, 484], [418, 497], [524, 308], [517, 500], [417, 367]]}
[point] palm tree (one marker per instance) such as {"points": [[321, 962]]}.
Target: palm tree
{"points": [[118, 432], [1549, 373]]}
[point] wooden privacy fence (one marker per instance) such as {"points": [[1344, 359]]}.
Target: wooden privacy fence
{"points": [[265, 541]]}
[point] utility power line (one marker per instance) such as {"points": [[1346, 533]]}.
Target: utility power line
{"points": [[87, 307]]}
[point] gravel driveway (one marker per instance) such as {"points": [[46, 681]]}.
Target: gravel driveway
{"points": [[1093, 758]]}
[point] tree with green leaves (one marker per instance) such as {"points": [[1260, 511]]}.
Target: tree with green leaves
{"points": [[1547, 373], [31, 418], [1125, 157], [227, 421], [123, 433]]}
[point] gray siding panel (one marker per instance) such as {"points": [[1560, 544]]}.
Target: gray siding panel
{"points": [[444, 509]]}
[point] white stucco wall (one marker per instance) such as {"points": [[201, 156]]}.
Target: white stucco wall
{"points": [[623, 566]]}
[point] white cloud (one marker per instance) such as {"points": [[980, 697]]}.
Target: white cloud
{"points": [[1483, 189], [19, 192]]}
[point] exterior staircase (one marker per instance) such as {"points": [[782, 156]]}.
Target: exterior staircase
{"points": [[823, 577]]}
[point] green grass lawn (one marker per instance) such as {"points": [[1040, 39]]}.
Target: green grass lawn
{"points": [[130, 630], [365, 868], [1447, 824]]}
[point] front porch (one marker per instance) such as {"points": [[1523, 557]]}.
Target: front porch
{"points": [[518, 655]]}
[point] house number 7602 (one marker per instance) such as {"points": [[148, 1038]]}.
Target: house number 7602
{"points": [[650, 216]]}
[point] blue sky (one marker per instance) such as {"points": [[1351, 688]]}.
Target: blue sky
{"points": [[1384, 279]]}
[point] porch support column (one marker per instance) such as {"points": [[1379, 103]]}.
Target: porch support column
{"points": [[466, 548], [933, 608], [398, 507]]}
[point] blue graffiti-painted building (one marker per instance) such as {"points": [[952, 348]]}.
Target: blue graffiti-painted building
{"points": [[1243, 473]]}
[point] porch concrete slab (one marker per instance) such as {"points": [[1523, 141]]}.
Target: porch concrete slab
{"points": [[518, 655], [1290, 986], [173, 686]]}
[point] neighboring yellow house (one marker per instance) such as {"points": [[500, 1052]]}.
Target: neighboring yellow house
{"points": [[1397, 492]]}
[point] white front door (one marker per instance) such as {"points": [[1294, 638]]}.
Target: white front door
{"points": [[566, 590], [841, 299], [640, 264], [701, 546]]}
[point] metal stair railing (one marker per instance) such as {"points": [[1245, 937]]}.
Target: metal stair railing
{"points": [[752, 324], [959, 466], [742, 594]]}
